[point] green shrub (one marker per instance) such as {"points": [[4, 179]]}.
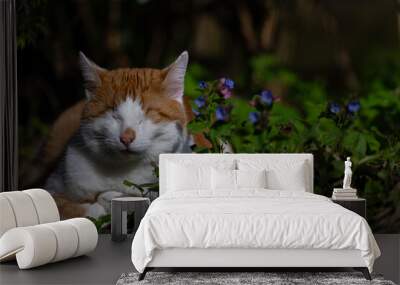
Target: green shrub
{"points": [[366, 128]]}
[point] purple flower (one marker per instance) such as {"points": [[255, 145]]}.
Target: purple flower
{"points": [[196, 112], [229, 83], [200, 101], [225, 87], [254, 117], [203, 84], [334, 108], [221, 114], [266, 97], [353, 106], [226, 93]]}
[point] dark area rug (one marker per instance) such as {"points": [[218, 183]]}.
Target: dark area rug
{"points": [[229, 278]]}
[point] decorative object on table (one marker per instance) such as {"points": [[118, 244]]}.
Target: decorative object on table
{"points": [[244, 278], [347, 192], [31, 230], [344, 194], [347, 174], [357, 205], [120, 209]]}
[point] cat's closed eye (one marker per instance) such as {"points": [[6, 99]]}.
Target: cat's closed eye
{"points": [[154, 115]]}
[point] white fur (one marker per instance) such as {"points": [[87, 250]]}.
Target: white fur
{"points": [[175, 77]]}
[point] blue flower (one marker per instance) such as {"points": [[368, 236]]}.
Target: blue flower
{"points": [[196, 112], [229, 83], [221, 114], [353, 106], [254, 117], [203, 84], [266, 97], [200, 101], [334, 108]]}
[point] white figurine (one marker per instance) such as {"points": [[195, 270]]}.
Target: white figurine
{"points": [[347, 174]]}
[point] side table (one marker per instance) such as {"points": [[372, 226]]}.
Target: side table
{"points": [[358, 205], [120, 208]]}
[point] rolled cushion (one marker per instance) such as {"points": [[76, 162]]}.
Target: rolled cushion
{"points": [[67, 240], [33, 246], [40, 244], [7, 218], [26, 208], [87, 235], [45, 205]]}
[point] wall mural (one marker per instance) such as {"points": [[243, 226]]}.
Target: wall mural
{"points": [[259, 77]]}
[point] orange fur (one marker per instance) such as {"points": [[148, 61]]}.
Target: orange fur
{"points": [[69, 209], [116, 86], [62, 130], [144, 84]]}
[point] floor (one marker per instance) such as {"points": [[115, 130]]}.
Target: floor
{"points": [[103, 266], [110, 260], [389, 262]]}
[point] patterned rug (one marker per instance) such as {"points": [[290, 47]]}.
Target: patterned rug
{"points": [[243, 278]]}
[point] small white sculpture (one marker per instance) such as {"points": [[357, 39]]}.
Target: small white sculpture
{"points": [[347, 174]]}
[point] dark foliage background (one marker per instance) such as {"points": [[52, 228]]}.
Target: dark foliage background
{"points": [[309, 53]]}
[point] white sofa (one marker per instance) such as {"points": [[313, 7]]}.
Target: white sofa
{"points": [[31, 231]]}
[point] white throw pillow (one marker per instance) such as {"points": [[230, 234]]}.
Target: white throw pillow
{"points": [[293, 180], [193, 174], [281, 174], [226, 180], [223, 179], [188, 177], [251, 178]]}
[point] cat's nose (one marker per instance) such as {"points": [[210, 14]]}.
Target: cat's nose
{"points": [[127, 137]]}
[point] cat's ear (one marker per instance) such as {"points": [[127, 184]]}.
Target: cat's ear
{"points": [[91, 74], [175, 75]]}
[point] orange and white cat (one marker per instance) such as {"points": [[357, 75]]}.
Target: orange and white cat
{"points": [[129, 117]]}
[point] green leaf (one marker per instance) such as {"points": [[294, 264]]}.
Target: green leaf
{"points": [[101, 222], [194, 74], [131, 184], [373, 144], [197, 126], [355, 143], [128, 183], [327, 133]]}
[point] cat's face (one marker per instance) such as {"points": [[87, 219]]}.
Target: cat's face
{"points": [[134, 112]]}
